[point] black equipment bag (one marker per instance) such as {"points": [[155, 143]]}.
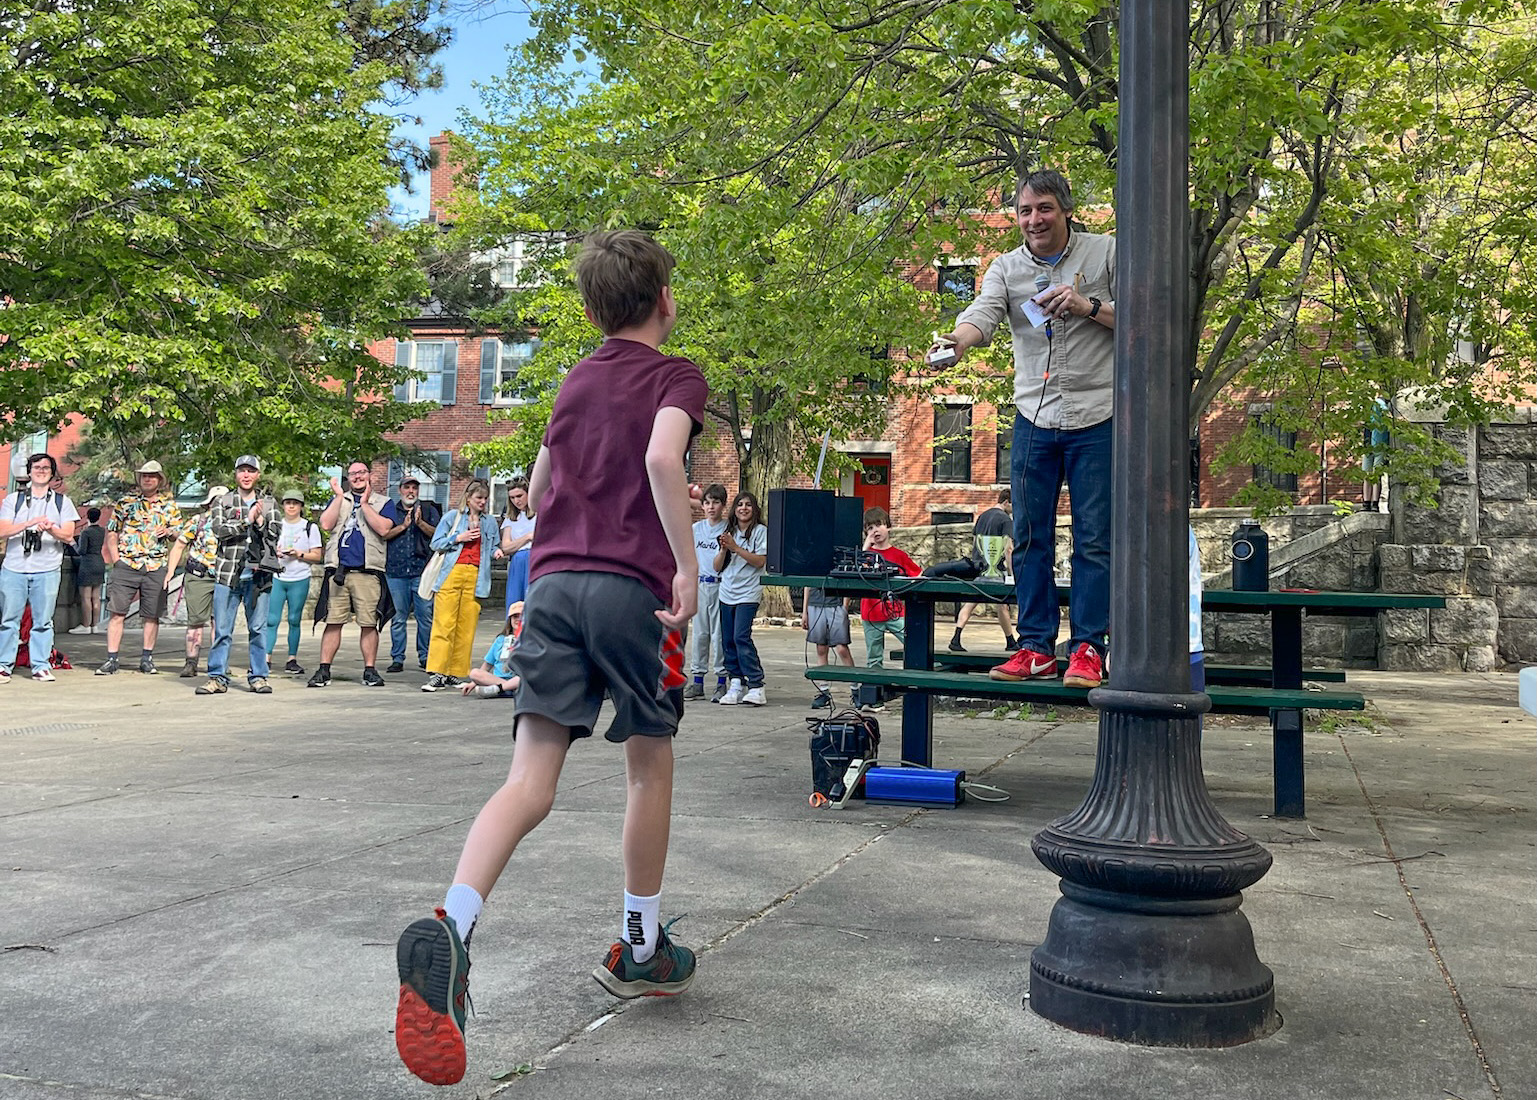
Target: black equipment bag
{"points": [[837, 742]]}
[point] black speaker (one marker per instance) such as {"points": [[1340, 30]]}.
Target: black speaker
{"points": [[800, 532], [848, 522]]}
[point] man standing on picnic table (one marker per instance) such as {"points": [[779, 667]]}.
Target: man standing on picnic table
{"points": [[1057, 292]]}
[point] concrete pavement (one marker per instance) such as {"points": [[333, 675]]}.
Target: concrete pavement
{"points": [[199, 899]]}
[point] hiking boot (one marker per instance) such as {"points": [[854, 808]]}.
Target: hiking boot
{"points": [[720, 692], [1026, 664], [665, 974], [212, 687], [1086, 669], [108, 667], [293, 667], [259, 685], [755, 697], [188, 668], [434, 994], [823, 701], [372, 679], [436, 682], [147, 666], [320, 679], [395, 666], [695, 690], [733, 694]]}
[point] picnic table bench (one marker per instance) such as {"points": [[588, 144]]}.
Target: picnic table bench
{"points": [[1281, 695]]}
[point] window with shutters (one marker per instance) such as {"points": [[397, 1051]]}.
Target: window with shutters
{"points": [[501, 361], [435, 364], [431, 468]]}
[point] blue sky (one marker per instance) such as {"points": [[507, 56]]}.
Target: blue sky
{"points": [[478, 53]]}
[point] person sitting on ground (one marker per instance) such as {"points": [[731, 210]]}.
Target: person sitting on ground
{"points": [[495, 677]]}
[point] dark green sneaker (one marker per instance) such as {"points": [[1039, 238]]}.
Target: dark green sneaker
{"points": [[434, 994], [665, 974]]}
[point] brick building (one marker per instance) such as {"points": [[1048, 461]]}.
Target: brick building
{"points": [[902, 470]]}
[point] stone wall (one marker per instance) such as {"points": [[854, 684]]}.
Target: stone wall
{"points": [[1478, 548]]}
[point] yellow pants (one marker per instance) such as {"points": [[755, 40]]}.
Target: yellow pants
{"points": [[455, 614]]}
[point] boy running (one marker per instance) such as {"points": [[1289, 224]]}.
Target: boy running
{"points": [[612, 577]]}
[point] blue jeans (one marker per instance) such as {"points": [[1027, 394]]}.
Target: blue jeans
{"points": [[403, 595], [742, 661], [517, 576], [227, 600], [294, 594], [1043, 459], [17, 590]]}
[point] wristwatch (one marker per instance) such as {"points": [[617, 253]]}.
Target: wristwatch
{"points": [[1094, 304]]}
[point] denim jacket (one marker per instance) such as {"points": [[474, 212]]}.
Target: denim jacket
{"points": [[451, 526]]}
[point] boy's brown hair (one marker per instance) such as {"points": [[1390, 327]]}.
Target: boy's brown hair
{"points": [[620, 275], [876, 517]]}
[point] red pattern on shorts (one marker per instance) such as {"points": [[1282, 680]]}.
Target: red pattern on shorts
{"points": [[672, 660]]}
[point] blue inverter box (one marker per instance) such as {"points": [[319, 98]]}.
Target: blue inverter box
{"points": [[915, 786]]}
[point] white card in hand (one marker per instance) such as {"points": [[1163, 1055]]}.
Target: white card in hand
{"points": [[1034, 313]]}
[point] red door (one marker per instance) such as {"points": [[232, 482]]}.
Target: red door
{"points": [[872, 484]]}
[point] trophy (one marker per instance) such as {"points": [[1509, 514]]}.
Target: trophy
{"points": [[990, 553]]}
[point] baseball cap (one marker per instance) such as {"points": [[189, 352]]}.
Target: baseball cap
{"points": [[214, 493], [249, 460], [151, 467], [408, 480], [292, 494]]}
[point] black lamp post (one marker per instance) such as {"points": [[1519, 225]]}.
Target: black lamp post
{"points": [[1147, 943]]}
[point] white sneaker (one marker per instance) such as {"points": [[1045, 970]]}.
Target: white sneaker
{"points": [[733, 694], [754, 697], [43, 675], [83, 628]]}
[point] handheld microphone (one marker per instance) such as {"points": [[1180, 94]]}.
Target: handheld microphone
{"points": [[1041, 283]]}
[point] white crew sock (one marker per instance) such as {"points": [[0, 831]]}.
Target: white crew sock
{"points": [[641, 926], [463, 904]]}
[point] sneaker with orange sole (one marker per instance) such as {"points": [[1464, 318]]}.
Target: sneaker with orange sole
{"points": [[1086, 668], [1026, 664], [665, 974], [434, 993]]}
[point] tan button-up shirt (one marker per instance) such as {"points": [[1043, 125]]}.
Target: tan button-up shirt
{"points": [[1078, 389]]}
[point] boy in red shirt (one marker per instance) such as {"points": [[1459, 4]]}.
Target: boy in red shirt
{"points": [[886, 615], [612, 578]]}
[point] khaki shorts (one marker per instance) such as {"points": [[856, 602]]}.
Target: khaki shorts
{"points": [[128, 584], [355, 598]]}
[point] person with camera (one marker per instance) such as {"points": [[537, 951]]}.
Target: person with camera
{"points": [[144, 527], [36, 523], [413, 522], [246, 522]]}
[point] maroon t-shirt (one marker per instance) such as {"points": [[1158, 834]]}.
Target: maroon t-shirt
{"points": [[599, 516]]}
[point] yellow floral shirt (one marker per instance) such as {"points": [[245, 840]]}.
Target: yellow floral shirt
{"points": [[136, 520], [202, 543]]}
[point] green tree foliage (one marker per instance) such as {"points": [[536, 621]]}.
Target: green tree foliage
{"points": [[191, 250], [798, 157]]}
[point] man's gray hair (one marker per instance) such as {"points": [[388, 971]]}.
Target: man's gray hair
{"points": [[1048, 181]]}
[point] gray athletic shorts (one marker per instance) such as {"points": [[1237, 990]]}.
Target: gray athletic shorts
{"points": [[827, 625], [585, 634]]}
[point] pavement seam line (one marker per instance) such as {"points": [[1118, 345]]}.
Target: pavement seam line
{"points": [[72, 1086], [1425, 929]]}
